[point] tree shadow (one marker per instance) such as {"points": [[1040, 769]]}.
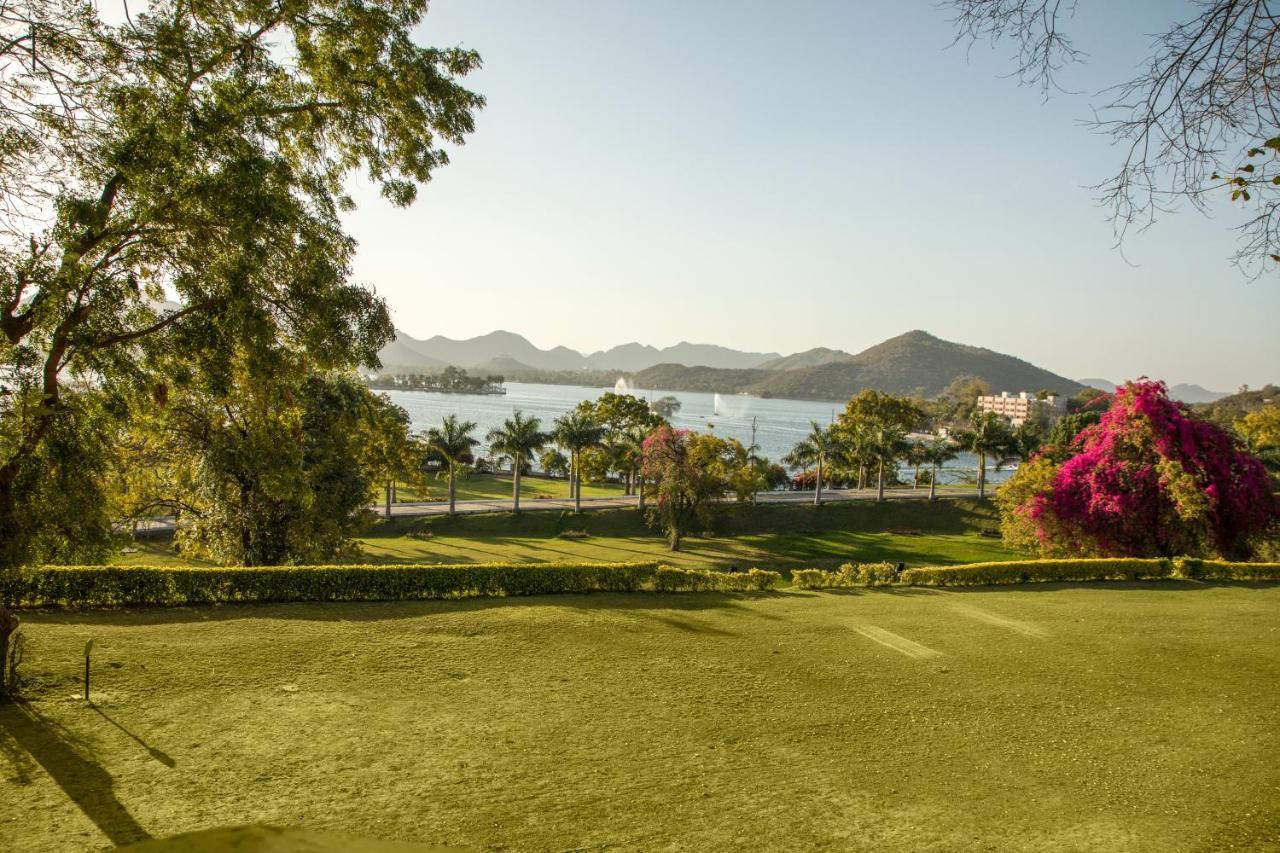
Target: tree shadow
{"points": [[163, 757], [71, 764]]}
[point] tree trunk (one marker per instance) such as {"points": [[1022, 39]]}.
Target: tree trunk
{"points": [[640, 493], [933, 482], [387, 511], [577, 491], [674, 538], [880, 481], [915, 484], [862, 476], [817, 483], [8, 628], [982, 476], [515, 486], [453, 479]]}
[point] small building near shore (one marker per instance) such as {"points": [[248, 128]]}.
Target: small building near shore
{"points": [[1023, 406]]}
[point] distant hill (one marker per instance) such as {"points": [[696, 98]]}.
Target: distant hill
{"points": [[1187, 393], [498, 347], [1231, 408], [915, 363], [808, 358]]}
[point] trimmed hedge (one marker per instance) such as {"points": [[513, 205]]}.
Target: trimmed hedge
{"points": [[848, 576], [1040, 571], [114, 586], [118, 586], [672, 579], [1225, 570]]}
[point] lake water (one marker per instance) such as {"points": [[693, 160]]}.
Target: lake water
{"points": [[779, 424]]}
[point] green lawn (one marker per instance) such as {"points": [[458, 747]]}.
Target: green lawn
{"points": [[478, 487], [784, 537], [1104, 717]]}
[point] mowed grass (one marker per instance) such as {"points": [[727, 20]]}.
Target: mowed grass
{"points": [[483, 487], [778, 537], [1104, 717]]}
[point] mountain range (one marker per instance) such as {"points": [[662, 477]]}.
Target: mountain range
{"points": [[914, 363], [491, 350]]}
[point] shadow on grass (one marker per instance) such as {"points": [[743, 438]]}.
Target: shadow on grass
{"points": [[373, 611], [158, 755], [73, 767]]}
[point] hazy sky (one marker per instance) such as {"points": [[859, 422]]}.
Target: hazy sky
{"points": [[778, 176]]}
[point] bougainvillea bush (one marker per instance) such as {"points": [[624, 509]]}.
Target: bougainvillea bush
{"points": [[1149, 479]]}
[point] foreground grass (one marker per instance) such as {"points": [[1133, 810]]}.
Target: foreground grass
{"points": [[1140, 717]]}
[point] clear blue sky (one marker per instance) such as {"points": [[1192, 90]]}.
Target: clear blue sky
{"points": [[778, 176]]}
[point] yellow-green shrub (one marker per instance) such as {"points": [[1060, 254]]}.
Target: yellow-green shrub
{"points": [[1192, 567], [672, 579], [140, 585], [1040, 571], [849, 575]]}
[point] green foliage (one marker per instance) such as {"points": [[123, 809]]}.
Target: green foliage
{"points": [[1019, 529], [848, 576], [120, 586], [671, 579], [1041, 571]]}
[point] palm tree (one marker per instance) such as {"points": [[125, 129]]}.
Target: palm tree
{"points": [[823, 441], [453, 443], [917, 454], [938, 452], [518, 437], [576, 431], [885, 444], [988, 435]]}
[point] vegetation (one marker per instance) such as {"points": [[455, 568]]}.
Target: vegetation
{"points": [[733, 717], [1148, 479], [452, 445], [519, 439], [450, 380], [576, 432]]}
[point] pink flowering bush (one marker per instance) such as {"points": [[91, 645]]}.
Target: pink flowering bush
{"points": [[1148, 479]]}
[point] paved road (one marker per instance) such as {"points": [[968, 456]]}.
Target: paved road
{"points": [[414, 510]]}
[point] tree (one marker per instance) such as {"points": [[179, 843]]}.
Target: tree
{"points": [[1260, 430], [452, 441], [989, 437], [576, 431], [938, 452], [624, 421], [520, 438], [888, 444], [916, 454], [188, 154], [276, 472], [389, 447], [824, 442], [665, 407], [687, 472], [1148, 479], [865, 425], [554, 463], [1197, 121]]}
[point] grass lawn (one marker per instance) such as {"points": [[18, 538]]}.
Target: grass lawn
{"points": [[782, 537], [479, 487], [1104, 717]]}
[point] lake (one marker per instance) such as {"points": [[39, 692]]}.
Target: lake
{"points": [[779, 424]]}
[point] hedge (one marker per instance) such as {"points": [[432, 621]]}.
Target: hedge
{"points": [[849, 575], [1040, 571], [1225, 570], [115, 586]]}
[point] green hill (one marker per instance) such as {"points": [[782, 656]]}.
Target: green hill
{"points": [[915, 363]]}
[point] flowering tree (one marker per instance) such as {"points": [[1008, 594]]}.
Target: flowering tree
{"points": [[1148, 478], [689, 473]]}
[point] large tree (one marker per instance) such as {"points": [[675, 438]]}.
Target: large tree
{"points": [[196, 153], [576, 431], [1197, 121], [689, 472], [1148, 479]]}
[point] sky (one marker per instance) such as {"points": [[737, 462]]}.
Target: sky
{"points": [[780, 176]]}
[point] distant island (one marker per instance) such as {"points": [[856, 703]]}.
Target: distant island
{"points": [[450, 380]]}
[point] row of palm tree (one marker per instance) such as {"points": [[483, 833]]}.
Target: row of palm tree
{"points": [[881, 444], [519, 438]]}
